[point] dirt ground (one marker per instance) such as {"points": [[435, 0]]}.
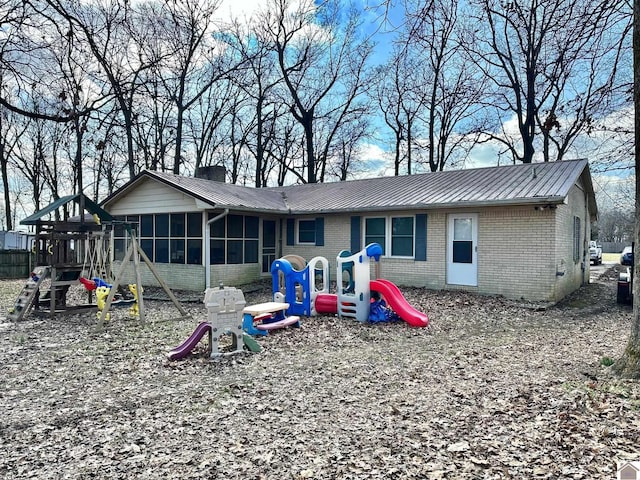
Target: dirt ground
{"points": [[491, 389]]}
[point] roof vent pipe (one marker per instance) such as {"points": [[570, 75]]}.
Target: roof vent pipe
{"points": [[207, 247]]}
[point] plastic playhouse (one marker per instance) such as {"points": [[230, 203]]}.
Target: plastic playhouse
{"points": [[358, 296], [299, 287], [224, 316]]}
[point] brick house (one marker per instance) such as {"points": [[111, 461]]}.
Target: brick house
{"points": [[520, 231]]}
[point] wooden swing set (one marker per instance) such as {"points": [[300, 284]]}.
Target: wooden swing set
{"points": [[69, 250]]}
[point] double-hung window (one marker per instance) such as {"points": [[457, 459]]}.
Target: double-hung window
{"points": [[375, 231], [396, 235], [402, 233], [307, 231]]}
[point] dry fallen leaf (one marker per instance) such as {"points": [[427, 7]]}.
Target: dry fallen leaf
{"points": [[491, 389]]}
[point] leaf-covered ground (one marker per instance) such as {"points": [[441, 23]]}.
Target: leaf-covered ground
{"points": [[490, 389]]}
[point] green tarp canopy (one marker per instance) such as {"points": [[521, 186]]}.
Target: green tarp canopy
{"points": [[89, 205]]}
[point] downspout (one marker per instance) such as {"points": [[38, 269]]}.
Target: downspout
{"points": [[207, 247], [586, 261]]}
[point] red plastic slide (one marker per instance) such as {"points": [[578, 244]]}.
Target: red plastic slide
{"points": [[398, 303], [189, 344]]}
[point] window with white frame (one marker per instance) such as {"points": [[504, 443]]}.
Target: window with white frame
{"points": [[402, 233], [396, 235], [375, 231]]}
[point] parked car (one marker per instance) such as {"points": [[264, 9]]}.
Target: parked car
{"points": [[626, 257], [595, 252]]}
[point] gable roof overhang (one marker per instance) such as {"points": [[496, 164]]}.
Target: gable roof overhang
{"points": [[208, 194]]}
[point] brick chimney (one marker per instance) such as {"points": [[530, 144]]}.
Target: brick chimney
{"points": [[217, 173]]}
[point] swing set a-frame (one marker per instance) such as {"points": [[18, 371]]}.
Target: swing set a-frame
{"points": [[70, 249]]}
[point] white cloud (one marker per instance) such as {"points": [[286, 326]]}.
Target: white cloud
{"points": [[483, 155], [239, 9], [374, 160]]}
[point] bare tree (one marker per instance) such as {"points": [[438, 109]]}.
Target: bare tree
{"points": [[315, 49], [347, 152], [389, 97], [261, 77], [613, 225], [108, 169], [30, 157], [155, 124], [206, 120], [190, 58], [76, 95], [427, 91], [11, 129], [107, 29], [553, 65], [346, 120], [27, 37], [452, 86]]}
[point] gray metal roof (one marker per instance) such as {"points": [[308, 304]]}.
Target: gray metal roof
{"points": [[220, 194], [508, 185], [505, 185]]}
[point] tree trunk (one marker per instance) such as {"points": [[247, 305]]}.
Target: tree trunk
{"points": [[629, 364], [409, 140], [259, 172], [5, 186], [311, 157], [396, 160]]}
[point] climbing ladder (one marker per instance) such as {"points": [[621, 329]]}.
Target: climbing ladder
{"points": [[28, 293]]}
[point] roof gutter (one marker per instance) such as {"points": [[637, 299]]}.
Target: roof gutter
{"points": [[555, 200], [207, 247]]}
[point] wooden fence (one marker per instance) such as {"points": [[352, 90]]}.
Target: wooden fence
{"points": [[613, 247], [16, 264]]}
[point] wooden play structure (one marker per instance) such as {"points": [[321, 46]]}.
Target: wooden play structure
{"points": [[65, 248], [69, 249], [132, 257]]}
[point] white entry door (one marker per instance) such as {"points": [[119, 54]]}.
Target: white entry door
{"points": [[462, 250]]}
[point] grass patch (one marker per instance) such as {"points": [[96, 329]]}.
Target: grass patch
{"points": [[607, 361], [611, 257]]}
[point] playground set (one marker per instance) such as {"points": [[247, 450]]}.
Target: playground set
{"points": [[302, 291], [307, 290], [71, 251], [64, 250]]}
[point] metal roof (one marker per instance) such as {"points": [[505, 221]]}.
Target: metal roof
{"points": [[220, 194], [548, 182]]}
